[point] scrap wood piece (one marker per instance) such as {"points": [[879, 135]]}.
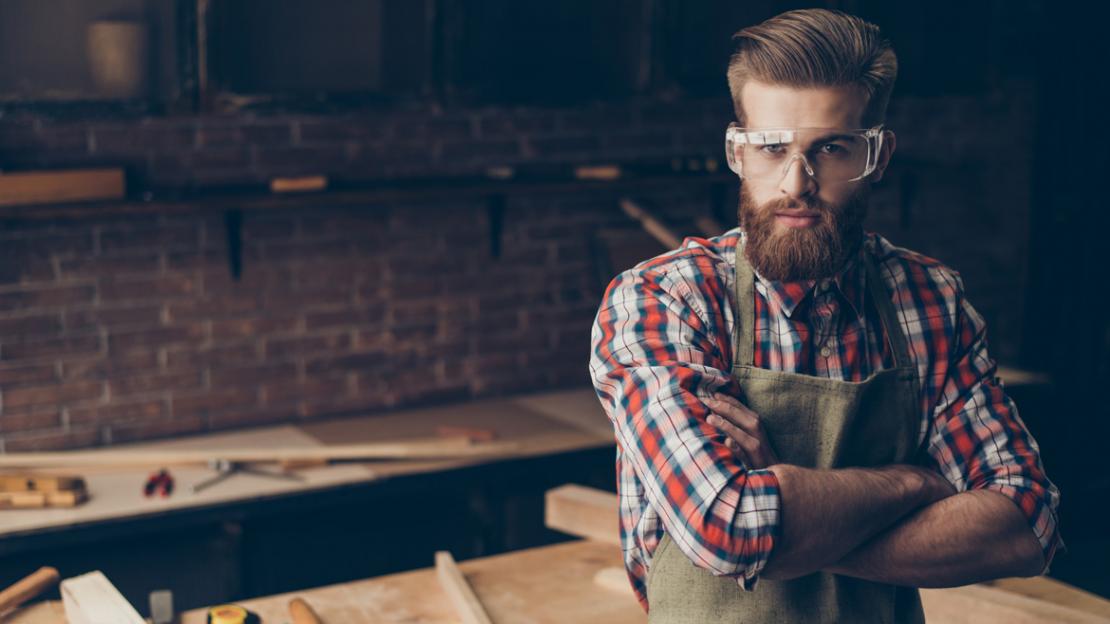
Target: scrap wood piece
{"points": [[437, 448], [28, 587], [982, 604], [20, 482], [582, 511], [92, 599], [654, 226], [34, 500], [462, 596]]}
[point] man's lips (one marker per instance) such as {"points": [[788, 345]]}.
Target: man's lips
{"points": [[797, 218]]}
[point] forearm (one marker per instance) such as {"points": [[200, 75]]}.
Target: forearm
{"points": [[825, 514], [967, 538]]}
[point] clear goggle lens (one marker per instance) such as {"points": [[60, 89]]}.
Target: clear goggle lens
{"points": [[828, 155]]}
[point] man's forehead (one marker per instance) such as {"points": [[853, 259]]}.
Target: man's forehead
{"points": [[778, 106]]}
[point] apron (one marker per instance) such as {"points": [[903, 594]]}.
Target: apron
{"points": [[813, 422]]}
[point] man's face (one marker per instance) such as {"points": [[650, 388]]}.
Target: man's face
{"points": [[797, 227]]}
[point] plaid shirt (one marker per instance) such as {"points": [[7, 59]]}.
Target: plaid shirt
{"points": [[662, 343]]}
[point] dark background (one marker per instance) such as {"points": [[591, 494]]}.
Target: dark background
{"points": [[129, 320]]}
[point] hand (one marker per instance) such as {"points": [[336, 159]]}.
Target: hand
{"points": [[745, 435]]}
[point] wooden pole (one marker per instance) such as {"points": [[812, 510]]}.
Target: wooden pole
{"points": [[462, 596]]}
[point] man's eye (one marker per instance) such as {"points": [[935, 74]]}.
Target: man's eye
{"points": [[832, 149], [773, 148]]}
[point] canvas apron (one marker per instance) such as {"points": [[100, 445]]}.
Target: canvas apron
{"points": [[818, 423]]}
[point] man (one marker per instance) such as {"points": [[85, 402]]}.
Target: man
{"points": [[808, 421]]}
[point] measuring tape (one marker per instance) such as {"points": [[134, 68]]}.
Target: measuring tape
{"points": [[230, 614]]}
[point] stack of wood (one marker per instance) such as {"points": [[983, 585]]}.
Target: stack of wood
{"points": [[29, 491]]}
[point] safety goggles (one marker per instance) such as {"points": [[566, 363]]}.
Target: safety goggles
{"points": [[829, 155]]}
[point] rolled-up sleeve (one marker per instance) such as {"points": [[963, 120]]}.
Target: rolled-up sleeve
{"points": [[979, 441], [659, 348]]}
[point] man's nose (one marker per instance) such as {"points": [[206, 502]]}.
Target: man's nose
{"points": [[798, 179]]}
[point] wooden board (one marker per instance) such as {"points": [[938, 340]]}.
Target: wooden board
{"points": [[583, 512], [548, 585], [53, 187]]}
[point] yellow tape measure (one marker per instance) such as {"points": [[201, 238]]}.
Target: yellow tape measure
{"points": [[227, 614]]}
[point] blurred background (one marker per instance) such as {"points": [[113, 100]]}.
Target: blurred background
{"points": [[464, 164]]}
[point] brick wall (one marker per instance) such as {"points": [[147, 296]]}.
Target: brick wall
{"points": [[116, 329]]}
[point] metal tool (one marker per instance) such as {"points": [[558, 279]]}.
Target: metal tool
{"points": [[226, 469]]}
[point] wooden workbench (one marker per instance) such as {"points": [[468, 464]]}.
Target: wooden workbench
{"points": [[541, 424], [554, 584]]}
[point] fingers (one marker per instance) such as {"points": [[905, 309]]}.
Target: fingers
{"points": [[745, 434], [734, 411]]}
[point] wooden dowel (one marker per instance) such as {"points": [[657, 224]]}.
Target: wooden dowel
{"points": [[463, 598], [28, 587], [654, 226]]}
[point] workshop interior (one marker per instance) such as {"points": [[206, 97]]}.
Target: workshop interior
{"points": [[296, 296]]}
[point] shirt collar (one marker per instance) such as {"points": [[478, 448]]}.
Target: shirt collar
{"points": [[849, 282]]}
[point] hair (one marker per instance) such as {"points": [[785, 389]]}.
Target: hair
{"points": [[815, 48]]}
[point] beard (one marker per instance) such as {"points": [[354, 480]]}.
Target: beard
{"points": [[787, 254]]}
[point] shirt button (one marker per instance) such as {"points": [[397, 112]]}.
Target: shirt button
{"points": [[824, 285], [826, 352]]}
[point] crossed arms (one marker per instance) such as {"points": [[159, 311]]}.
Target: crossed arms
{"points": [[979, 507]]}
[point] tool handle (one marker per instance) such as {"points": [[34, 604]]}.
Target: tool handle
{"points": [[28, 587], [302, 612]]}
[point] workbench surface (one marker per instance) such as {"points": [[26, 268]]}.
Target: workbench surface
{"points": [[540, 424]]}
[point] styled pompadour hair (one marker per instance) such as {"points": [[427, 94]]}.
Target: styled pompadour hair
{"points": [[815, 48]]}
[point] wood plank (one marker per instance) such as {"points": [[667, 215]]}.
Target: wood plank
{"points": [[419, 449], [584, 512], [50, 187], [1057, 592], [459, 592]]}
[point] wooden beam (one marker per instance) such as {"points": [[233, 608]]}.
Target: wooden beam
{"points": [[462, 596], [582, 511], [437, 448]]}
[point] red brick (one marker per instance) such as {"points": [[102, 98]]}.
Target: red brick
{"points": [[374, 360], [143, 384], [278, 348], [121, 341], [346, 317], [37, 325], [162, 287], [51, 440], [11, 376], [148, 314], [70, 345], [131, 362], [251, 417], [213, 402], [158, 237], [158, 428], [311, 389], [30, 420], [224, 355], [213, 308], [108, 266], [119, 412], [31, 297], [242, 376], [247, 327], [52, 394]]}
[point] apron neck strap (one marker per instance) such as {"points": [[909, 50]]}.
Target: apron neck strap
{"points": [[742, 334]]}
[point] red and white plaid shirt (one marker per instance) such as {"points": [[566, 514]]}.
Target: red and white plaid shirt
{"points": [[661, 344]]}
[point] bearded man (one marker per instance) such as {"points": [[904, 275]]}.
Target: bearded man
{"points": [[809, 423]]}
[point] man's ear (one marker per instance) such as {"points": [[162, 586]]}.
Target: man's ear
{"points": [[885, 152]]}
